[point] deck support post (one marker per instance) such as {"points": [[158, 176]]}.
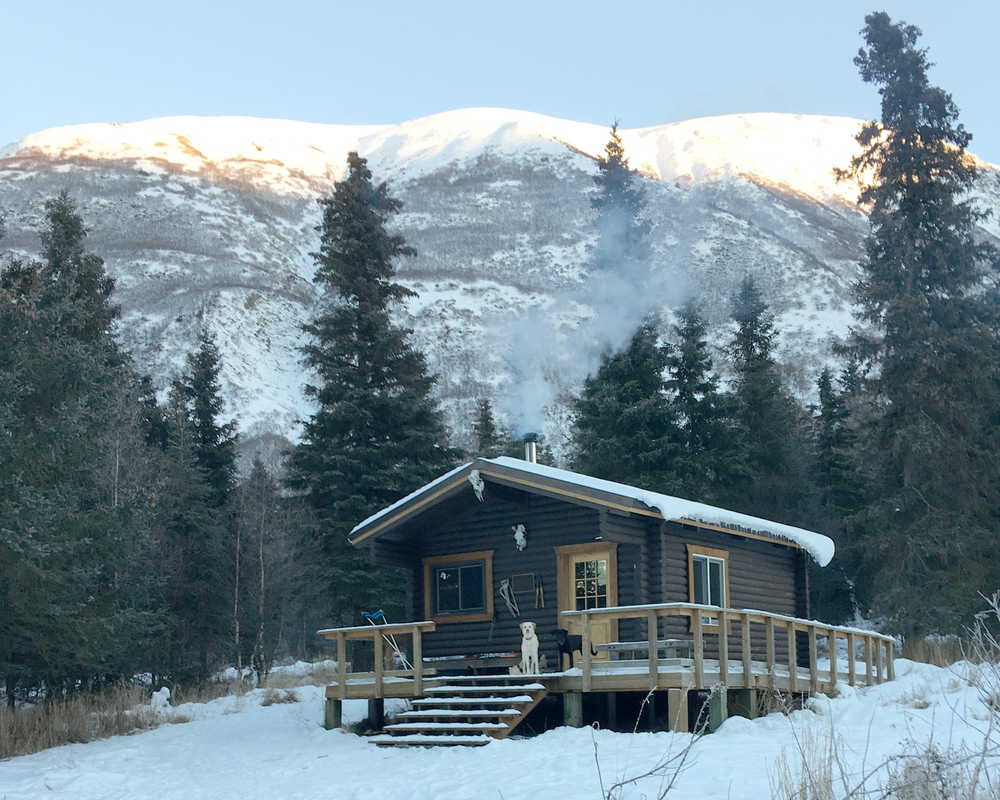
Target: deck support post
{"points": [[333, 714], [850, 658], [677, 710], [376, 712], [718, 708], [573, 709], [743, 703]]}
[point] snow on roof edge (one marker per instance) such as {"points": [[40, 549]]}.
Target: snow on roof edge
{"points": [[820, 547], [404, 500]]}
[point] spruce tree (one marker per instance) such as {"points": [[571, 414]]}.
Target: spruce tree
{"points": [[928, 531], [77, 486], [620, 204], [192, 528], [215, 441], [489, 440], [706, 437], [770, 471], [625, 429], [376, 434]]}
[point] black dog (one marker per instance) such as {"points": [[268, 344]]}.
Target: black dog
{"points": [[568, 643]]}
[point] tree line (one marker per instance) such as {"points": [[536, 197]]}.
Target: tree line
{"points": [[130, 544]]}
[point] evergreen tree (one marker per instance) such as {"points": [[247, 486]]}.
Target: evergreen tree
{"points": [[620, 204], [706, 437], [215, 442], [772, 465], [377, 434], [76, 486], [193, 533], [489, 440], [928, 531], [625, 430]]}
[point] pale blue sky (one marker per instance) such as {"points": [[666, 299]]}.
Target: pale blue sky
{"points": [[645, 63]]}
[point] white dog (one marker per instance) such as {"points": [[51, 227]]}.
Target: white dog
{"points": [[529, 649]]}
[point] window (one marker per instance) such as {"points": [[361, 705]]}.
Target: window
{"points": [[590, 588], [708, 579], [458, 587]]}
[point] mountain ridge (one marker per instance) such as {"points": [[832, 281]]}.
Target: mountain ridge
{"points": [[210, 221]]}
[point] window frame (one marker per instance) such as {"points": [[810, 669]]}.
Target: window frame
{"points": [[458, 560], [709, 554]]}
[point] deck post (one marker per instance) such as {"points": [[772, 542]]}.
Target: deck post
{"points": [[376, 713], [879, 644], [831, 639], [723, 648], [653, 655], [890, 655], [813, 668], [379, 677], [342, 665], [850, 658], [677, 710], [748, 682], [770, 650], [868, 660], [333, 714], [793, 659], [718, 708], [418, 663], [699, 651], [585, 640], [572, 709]]}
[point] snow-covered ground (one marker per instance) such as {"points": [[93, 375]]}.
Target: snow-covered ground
{"points": [[236, 748]]}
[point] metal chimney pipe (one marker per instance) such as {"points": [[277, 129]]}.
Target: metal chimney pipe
{"points": [[531, 448]]}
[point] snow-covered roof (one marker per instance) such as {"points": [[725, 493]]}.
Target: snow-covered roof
{"points": [[677, 509], [674, 509]]}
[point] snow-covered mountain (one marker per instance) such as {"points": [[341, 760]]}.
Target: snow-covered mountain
{"points": [[210, 221]]}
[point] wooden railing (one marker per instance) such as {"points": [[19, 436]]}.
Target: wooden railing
{"points": [[877, 647], [375, 634]]}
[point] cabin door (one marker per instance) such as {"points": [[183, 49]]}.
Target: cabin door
{"points": [[588, 578]]}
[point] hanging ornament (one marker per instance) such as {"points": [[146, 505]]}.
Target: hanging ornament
{"points": [[520, 537], [478, 484]]}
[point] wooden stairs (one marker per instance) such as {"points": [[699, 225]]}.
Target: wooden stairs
{"points": [[464, 711]]}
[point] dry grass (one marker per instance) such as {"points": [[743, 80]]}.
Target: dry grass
{"points": [[82, 718], [272, 696], [939, 651]]}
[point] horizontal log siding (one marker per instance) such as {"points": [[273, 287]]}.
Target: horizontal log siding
{"points": [[762, 576], [464, 524], [632, 534]]}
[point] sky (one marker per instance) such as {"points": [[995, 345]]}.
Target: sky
{"points": [[388, 61]]}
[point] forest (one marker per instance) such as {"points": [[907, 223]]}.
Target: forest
{"points": [[131, 543]]}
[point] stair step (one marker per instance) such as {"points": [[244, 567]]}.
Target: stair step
{"points": [[422, 740], [457, 727], [458, 712], [492, 689], [479, 701]]}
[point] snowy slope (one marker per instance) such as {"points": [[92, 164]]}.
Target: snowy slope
{"points": [[235, 748], [210, 221]]}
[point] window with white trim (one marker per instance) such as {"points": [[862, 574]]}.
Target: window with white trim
{"points": [[708, 580]]}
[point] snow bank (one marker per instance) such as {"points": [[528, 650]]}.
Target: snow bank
{"points": [[235, 748]]}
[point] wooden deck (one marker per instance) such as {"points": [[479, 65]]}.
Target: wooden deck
{"points": [[868, 656]]}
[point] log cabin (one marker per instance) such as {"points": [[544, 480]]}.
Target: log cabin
{"points": [[659, 590]]}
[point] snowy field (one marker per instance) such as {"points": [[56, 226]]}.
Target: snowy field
{"points": [[236, 748]]}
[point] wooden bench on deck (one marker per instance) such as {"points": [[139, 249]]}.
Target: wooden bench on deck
{"points": [[473, 663], [665, 648]]}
